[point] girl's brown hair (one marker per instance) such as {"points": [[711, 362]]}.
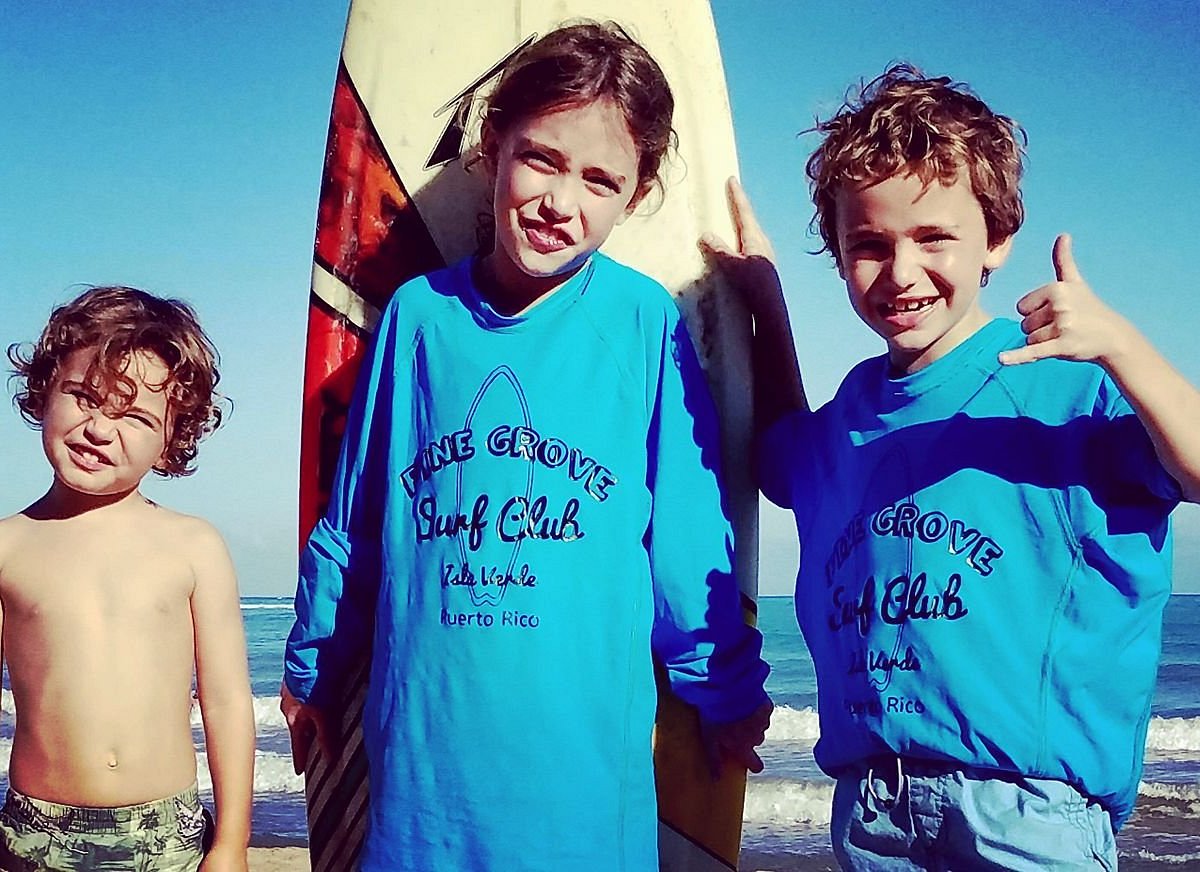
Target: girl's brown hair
{"points": [[578, 64]]}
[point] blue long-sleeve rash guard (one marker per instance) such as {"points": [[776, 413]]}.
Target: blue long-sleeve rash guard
{"points": [[985, 560], [524, 508]]}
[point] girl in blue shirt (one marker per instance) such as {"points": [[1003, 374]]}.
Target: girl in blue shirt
{"points": [[527, 506]]}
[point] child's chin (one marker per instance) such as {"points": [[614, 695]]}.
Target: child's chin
{"points": [[547, 268]]}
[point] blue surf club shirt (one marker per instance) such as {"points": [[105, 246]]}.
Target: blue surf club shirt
{"points": [[525, 507], [985, 561]]}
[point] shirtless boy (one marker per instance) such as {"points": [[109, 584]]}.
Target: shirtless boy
{"points": [[107, 600]]}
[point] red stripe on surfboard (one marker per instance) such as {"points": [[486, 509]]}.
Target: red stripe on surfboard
{"points": [[371, 237], [331, 360], [368, 229]]}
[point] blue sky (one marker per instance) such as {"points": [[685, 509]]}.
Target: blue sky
{"points": [[178, 147]]}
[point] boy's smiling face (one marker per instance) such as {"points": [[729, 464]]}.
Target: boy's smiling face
{"points": [[104, 446], [913, 257]]}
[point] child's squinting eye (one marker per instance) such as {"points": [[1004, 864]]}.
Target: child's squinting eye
{"points": [[537, 160], [83, 397], [868, 248], [936, 238], [604, 184]]}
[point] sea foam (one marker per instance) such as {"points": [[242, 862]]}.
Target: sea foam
{"points": [[1165, 734], [783, 801], [794, 725]]}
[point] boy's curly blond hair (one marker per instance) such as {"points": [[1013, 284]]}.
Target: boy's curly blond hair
{"points": [[904, 122], [118, 322]]}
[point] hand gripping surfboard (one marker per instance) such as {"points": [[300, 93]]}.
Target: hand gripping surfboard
{"points": [[396, 201]]}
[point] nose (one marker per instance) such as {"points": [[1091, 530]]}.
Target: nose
{"points": [[560, 199], [99, 428], [904, 265]]}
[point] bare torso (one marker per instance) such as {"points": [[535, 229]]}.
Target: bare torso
{"points": [[98, 637]]}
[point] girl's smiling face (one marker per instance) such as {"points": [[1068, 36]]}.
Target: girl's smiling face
{"points": [[562, 181]]}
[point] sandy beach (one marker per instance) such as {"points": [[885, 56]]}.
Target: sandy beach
{"points": [[296, 860], [278, 860]]}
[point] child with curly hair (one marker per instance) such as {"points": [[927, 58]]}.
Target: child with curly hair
{"points": [[984, 510], [108, 602]]}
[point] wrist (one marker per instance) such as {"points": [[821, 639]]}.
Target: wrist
{"points": [[229, 842], [1124, 347]]}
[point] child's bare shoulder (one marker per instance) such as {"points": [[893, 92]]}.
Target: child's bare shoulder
{"points": [[12, 529], [189, 534]]}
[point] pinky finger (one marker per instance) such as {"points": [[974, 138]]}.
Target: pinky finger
{"points": [[1017, 356], [1028, 354]]}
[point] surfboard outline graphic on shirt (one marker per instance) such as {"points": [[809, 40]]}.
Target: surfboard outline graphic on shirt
{"points": [[501, 373]]}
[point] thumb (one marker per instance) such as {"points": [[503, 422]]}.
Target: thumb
{"points": [[1065, 269]]}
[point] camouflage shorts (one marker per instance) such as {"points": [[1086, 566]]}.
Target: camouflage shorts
{"points": [[163, 836]]}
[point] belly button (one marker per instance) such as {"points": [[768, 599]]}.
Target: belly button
{"points": [[112, 761]]}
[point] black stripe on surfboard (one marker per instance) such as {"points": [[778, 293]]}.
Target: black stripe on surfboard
{"points": [[699, 847], [336, 789], [343, 854], [337, 835], [318, 303], [331, 774], [449, 146], [342, 805]]}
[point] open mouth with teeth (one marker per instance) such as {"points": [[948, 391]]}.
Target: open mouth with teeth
{"points": [[544, 238], [903, 307], [87, 457]]}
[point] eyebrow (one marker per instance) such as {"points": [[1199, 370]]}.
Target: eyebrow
{"points": [[146, 413], [525, 142], [870, 230], [70, 384], [127, 410], [862, 231]]}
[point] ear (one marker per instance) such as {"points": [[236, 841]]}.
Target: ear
{"points": [[998, 254], [489, 148]]}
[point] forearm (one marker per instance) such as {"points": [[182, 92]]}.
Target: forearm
{"points": [[778, 388], [335, 601], [1166, 404], [229, 738]]}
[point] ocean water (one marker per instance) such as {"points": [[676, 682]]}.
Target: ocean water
{"points": [[787, 807]]}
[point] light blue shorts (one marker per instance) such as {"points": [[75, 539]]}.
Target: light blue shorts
{"points": [[904, 815]]}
